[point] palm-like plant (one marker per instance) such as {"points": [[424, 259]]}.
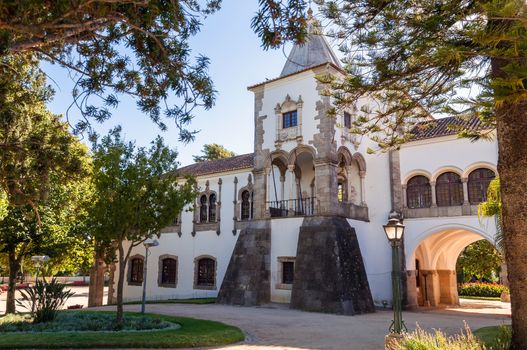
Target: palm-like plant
{"points": [[44, 300]]}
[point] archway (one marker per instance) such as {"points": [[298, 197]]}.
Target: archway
{"points": [[431, 268]]}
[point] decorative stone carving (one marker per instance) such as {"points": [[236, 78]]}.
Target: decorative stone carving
{"points": [[293, 133]]}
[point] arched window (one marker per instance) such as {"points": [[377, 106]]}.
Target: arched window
{"points": [[136, 270], [212, 208], [206, 274], [449, 190], [419, 192], [478, 182], [246, 205], [203, 209], [168, 271]]}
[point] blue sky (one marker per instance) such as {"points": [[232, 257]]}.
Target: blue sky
{"points": [[237, 61]]}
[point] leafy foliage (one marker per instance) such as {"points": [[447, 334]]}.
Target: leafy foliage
{"points": [[480, 259], [482, 289], [421, 339], [44, 300], [136, 194], [213, 151], [81, 322], [492, 208], [114, 48]]}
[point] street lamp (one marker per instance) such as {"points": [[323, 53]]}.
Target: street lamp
{"points": [[38, 261], [394, 230], [149, 243]]}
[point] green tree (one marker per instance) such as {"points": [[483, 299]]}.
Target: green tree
{"points": [[49, 229], [136, 195], [33, 142], [462, 58], [480, 259], [114, 48], [213, 151]]}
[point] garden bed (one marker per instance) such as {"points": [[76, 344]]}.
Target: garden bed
{"points": [[92, 329]]}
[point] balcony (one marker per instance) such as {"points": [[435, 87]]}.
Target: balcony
{"points": [[292, 207]]}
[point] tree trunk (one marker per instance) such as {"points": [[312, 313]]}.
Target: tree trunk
{"points": [[14, 268], [120, 284], [512, 167], [96, 289]]}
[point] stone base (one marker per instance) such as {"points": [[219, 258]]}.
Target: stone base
{"points": [[247, 280], [329, 271]]}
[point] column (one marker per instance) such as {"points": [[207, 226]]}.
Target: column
{"points": [[282, 187], [464, 180], [292, 184], [348, 184], [266, 173], [433, 189], [362, 175], [405, 205]]}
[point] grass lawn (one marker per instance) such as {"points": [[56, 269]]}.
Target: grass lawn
{"points": [[192, 333], [479, 298], [177, 301], [494, 337]]}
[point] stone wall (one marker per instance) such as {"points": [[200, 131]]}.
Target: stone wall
{"points": [[247, 280], [329, 271]]}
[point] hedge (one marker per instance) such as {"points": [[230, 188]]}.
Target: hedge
{"points": [[482, 289]]}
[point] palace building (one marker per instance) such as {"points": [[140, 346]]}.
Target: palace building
{"points": [[299, 220]]}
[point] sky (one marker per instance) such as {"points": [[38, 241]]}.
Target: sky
{"points": [[237, 61]]}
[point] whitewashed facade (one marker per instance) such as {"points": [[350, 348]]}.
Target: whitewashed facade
{"points": [[313, 167]]}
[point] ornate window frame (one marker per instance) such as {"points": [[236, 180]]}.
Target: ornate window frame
{"points": [[198, 225], [196, 272], [160, 271], [293, 133], [129, 270]]}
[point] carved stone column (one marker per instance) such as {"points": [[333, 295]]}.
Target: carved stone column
{"points": [[433, 189], [348, 183], [282, 187], [405, 204], [292, 184], [362, 175], [235, 205], [464, 180]]}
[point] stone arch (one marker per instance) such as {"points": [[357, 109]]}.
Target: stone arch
{"points": [[479, 165], [437, 250], [359, 158], [297, 151], [446, 169], [344, 153], [280, 159], [416, 172]]}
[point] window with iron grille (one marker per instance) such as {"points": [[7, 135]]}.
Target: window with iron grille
{"points": [[169, 271], [347, 120], [206, 272], [136, 274], [203, 209], [288, 272], [246, 205], [289, 119], [418, 192], [478, 183], [449, 190], [212, 208]]}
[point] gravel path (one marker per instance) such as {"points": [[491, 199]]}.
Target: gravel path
{"points": [[276, 327]]}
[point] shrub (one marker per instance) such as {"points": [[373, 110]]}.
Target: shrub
{"points": [[420, 340], [44, 300], [482, 289]]}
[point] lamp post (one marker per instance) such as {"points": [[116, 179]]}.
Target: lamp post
{"points": [[38, 261], [394, 230], [149, 243]]}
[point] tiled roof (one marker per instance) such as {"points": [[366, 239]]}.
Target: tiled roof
{"points": [[243, 161], [445, 126]]}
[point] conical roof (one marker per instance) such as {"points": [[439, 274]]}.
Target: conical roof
{"points": [[313, 52]]}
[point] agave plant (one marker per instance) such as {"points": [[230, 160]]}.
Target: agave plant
{"points": [[44, 300]]}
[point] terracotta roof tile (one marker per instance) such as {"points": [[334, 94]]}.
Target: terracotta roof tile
{"points": [[444, 127], [243, 161]]}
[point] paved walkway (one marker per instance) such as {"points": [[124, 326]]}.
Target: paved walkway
{"points": [[275, 327]]}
